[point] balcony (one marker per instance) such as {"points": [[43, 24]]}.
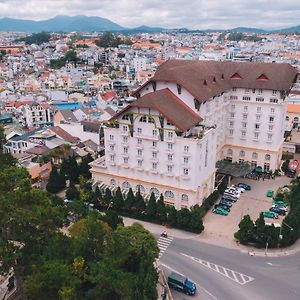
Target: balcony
{"points": [[111, 142], [139, 146]]}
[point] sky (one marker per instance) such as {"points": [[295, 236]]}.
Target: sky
{"points": [[193, 14]]}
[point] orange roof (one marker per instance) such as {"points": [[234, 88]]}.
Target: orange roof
{"points": [[293, 108]]}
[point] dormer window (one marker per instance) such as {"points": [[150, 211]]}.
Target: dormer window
{"points": [[214, 80], [262, 77], [205, 82], [236, 76], [222, 77], [125, 117]]}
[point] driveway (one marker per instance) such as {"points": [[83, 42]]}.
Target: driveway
{"points": [[252, 202]]}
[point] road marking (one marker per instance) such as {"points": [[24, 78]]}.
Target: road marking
{"points": [[163, 243], [235, 276], [273, 265], [197, 284]]}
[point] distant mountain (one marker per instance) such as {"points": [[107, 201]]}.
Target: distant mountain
{"points": [[247, 30], [146, 29], [60, 24], [290, 29], [83, 23]]}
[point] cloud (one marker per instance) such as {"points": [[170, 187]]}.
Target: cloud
{"points": [[197, 14]]}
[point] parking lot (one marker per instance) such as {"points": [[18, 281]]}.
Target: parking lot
{"points": [[251, 203]]}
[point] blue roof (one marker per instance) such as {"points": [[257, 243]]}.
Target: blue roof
{"points": [[68, 105], [25, 136]]}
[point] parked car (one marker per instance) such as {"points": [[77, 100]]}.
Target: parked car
{"points": [[278, 210], [231, 194], [270, 193], [245, 186], [280, 202], [182, 283], [282, 207], [270, 214], [220, 211], [228, 203], [233, 190], [228, 198], [238, 188], [224, 206]]}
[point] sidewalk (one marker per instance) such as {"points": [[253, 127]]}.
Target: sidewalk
{"points": [[217, 240]]}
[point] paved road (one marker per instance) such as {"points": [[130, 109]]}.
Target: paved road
{"points": [[226, 274]]}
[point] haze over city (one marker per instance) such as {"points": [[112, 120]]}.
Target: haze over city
{"points": [[198, 14]]}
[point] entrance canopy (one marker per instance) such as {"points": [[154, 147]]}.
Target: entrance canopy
{"points": [[234, 169]]}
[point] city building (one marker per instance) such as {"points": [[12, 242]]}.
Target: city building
{"points": [[188, 116]]}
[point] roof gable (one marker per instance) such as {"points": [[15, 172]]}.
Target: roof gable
{"points": [[236, 76], [168, 105]]}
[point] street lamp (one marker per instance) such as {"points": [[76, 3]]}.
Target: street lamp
{"points": [[280, 231]]}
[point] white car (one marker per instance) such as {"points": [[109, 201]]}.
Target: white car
{"points": [[233, 191], [238, 188]]}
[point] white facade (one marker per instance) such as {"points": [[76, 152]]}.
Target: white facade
{"points": [[181, 168], [242, 125], [36, 115], [139, 64]]}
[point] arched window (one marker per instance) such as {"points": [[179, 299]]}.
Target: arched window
{"points": [[296, 119], [126, 185], [287, 118], [143, 119], [242, 153], [254, 155], [267, 157], [113, 182], [155, 191], [140, 188], [169, 194], [184, 197], [229, 152]]}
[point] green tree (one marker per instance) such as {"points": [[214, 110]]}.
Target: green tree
{"points": [[107, 198], [71, 56], [72, 193], [118, 200], [84, 167], [260, 231], [245, 234], [127, 266], [129, 201], [196, 224], [139, 203], [172, 216], [45, 281], [151, 206], [112, 219], [183, 218], [161, 209], [56, 181], [37, 38]]}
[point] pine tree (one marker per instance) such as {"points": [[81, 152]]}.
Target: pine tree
{"points": [[140, 204], [172, 216], [151, 206], [245, 234], [107, 198], [118, 200], [56, 181], [129, 201], [260, 231], [72, 193], [161, 209]]}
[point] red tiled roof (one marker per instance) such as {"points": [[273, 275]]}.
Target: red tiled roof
{"points": [[170, 106], [64, 135], [206, 79], [109, 95]]}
